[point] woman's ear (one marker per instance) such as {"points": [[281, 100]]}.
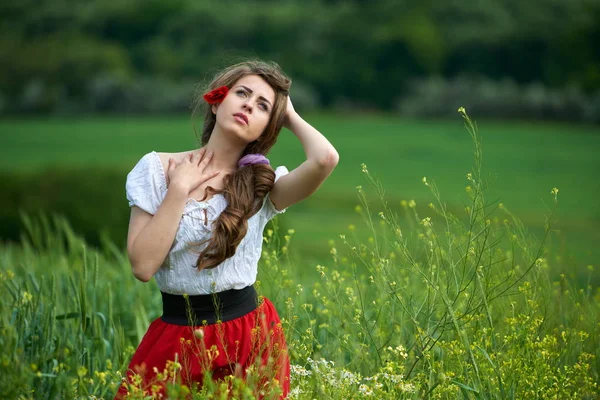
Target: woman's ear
{"points": [[214, 108]]}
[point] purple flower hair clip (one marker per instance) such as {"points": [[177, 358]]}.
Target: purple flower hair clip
{"points": [[251, 159]]}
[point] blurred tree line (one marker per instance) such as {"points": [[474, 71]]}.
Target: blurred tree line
{"points": [[508, 57]]}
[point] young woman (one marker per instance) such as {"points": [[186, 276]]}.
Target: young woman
{"points": [[196, 226]]}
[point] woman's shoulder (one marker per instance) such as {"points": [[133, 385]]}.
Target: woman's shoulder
{"points": [[177, 157], [154, 164]]}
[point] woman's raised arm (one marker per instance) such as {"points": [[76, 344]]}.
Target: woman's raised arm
{"points": [[321, 159]]}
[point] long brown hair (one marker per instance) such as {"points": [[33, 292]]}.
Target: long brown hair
{"points": [[245, 189]]}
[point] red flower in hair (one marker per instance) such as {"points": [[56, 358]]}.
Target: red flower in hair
{"points": [[217, 95]]}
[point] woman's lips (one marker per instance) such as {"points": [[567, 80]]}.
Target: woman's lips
{"points": [[241, 118]]}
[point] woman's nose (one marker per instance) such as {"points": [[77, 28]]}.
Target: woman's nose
{"points": [[248, 106]]}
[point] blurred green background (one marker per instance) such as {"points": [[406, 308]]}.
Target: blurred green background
{"points": [[88, 87]]}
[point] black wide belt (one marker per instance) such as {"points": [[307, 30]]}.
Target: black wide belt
{"points": [[210, 308]]}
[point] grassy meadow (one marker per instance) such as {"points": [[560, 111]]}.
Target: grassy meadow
{"points": [[522, 162], [389, 285]]}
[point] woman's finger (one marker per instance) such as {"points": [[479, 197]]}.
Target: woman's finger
{"points": [[206, 159], [201, 155], [169, 168], [198, 155], [210, 175]]}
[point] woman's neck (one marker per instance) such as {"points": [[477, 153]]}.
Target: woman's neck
{"points": [[226, 153]]}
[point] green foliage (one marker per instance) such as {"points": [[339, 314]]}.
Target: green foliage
{"points": [[436, 304], [434, 97], [341, 51], [60, 317], [92, 200]]}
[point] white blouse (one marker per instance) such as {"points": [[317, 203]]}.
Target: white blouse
{"points": [[146, 188]]}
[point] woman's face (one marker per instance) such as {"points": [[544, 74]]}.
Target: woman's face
{"points": [[246, 110]]}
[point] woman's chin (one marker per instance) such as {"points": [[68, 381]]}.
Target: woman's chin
{"points": [[238, 136]]}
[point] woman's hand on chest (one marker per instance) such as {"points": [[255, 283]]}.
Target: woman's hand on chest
{"points": [[191, 172]]}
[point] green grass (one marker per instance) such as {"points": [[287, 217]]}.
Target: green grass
{"points": [[397, 327], [453, 307], [523, 162]]}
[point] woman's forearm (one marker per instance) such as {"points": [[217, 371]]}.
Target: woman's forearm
{"points": [[316, 147], [153, 243]]}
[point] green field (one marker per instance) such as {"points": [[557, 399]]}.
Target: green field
{"points": [[523, 162], [473, 312]]}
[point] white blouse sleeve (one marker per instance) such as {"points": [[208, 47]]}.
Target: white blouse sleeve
{"points": [[145, 184], [268, 209]]}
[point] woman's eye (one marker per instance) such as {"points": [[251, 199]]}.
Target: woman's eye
{"points": [[241, 92], [264, 107]]}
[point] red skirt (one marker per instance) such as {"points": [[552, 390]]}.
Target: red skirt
{"points": [[250, 347]]}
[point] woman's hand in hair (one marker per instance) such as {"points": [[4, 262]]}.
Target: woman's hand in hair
{"points": [[190, 172], [321, 159], [290, 114]]}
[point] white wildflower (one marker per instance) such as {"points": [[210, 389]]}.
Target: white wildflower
{"points": [[299, 370], [406, 387], [365, 390], [295, 393]]}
